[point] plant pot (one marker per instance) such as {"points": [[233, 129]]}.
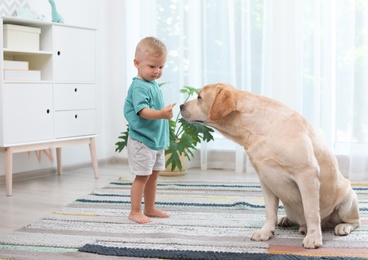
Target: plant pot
{"points": [[176, 172]]}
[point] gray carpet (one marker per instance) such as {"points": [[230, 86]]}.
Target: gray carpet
{"points": [[207, 221]]}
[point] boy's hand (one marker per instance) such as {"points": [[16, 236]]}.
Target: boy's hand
{"points": [[167, 112]]}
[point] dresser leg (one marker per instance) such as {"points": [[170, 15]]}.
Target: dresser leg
{"points": [[92, 149], [9, 171], [58, 160]]}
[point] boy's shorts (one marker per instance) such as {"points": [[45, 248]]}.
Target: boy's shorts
{"points": [[143, 160]]}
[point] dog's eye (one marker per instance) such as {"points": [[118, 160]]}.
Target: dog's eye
{"points": [[199, 97]]}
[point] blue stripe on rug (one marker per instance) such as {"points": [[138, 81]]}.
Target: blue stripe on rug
{"points": [[186, 185], [207, 187], [192, 185], [239, 205], [193, 255]]}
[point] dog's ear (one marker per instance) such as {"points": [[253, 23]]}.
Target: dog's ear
{"points": [[223, 104]]}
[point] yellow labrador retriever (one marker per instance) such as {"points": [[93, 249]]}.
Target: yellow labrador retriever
{"points": [[292, 162]]}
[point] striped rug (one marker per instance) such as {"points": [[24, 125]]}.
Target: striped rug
{"points": [[207, 221]]}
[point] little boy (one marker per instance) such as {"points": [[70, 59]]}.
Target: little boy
{"points": [[148, 128]]}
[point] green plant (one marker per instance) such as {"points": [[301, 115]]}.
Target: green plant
{"points": [[184, 136]]}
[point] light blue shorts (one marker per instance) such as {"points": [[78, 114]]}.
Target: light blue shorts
{"points": [[143, 160]]}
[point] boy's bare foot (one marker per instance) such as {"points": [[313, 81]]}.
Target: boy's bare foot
{"points": [[139, 217], [156, 213]]}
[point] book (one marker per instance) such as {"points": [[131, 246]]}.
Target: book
{"points": [[22, 75], [15, 65]]}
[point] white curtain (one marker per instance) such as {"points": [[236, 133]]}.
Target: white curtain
{"points": [[311, 55]]}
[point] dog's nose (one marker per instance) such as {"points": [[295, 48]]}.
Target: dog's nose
{"points": [[181, 106]]}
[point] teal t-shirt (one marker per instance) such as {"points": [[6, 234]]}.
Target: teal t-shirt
{"points": [[153, 133]]}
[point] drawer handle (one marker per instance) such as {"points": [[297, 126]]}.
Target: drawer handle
{"points": [[76, 116], [48, 111], [75, 90], [58, 53]]}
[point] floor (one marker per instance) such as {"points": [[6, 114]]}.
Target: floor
{"points": [[37, 197]]}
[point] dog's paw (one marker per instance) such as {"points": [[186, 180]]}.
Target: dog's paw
{"points": [[343, 229], [285, 222], [313, 240], [261, 235]]}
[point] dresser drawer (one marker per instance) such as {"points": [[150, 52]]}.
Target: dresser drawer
{"points": [[75, 123], [74, 96]]}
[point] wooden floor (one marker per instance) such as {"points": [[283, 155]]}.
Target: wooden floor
{"points": [[37, 197]]}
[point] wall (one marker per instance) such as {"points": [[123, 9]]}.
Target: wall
{"points": [[120, 70], [106, 16]]}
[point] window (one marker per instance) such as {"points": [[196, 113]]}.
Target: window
{"points": [[310, 55]]}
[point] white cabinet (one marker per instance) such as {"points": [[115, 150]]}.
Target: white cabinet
{"points": [[58, 109], [66, 60], [74, 76], [74, 54], [28, 113]]}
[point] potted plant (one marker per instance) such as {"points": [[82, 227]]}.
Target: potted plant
{"points": [[184, 137]]}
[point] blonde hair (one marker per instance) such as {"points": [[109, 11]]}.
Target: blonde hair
{"points": [[150, 46]]}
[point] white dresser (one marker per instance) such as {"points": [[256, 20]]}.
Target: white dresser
{"points": [[58, 108]]}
